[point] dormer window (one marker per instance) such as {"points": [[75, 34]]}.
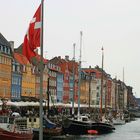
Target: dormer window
{"points": [[7, 50]]}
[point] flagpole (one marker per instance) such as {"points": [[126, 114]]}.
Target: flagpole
{"points": [[41, 75]]}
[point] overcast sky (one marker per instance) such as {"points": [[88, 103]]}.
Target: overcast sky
{"points": [[113, 24]]}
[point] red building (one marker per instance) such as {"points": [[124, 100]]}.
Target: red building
{"points": [[67, 70]]}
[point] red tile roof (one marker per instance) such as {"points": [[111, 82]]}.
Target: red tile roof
{"points": [[21, 58], [39, 57]]}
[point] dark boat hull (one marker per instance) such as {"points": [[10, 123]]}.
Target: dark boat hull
{"points": [[74, 127], [47, 133]]}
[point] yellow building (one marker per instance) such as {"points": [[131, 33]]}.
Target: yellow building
{"points": [[28, 76], [84, 89], [5, 68]]}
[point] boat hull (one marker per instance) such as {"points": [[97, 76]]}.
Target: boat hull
{"points": [[80, 128], [6, 135], [47, 133]]}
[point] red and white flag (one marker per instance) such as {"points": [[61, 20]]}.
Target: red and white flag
{"points": [[32, 37]]}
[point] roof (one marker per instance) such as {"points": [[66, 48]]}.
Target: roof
{"points": [[3, 41], [21, 58], [34, 60], [19, 49], [88, 70], [39, 58]]}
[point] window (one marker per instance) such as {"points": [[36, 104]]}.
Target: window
{"points": [[24, 68], [98, 88], [13, 67], [30, 120], [7, 50], [18, 68]]}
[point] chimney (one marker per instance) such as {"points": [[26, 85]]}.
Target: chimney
{"points": [[12, 45], [67, 57], [89, 67], [59, 57]]}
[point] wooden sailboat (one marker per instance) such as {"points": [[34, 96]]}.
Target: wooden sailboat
{"points": [[80, 124]]}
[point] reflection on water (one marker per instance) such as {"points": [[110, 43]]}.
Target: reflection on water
{"points": [[129, 131]]}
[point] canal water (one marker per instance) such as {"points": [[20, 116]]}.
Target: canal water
{"points": [[129, 131]]}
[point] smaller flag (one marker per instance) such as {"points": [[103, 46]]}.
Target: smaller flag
{"points": [[32, 37]]}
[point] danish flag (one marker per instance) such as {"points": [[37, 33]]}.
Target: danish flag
{"points": [[32, 37]]}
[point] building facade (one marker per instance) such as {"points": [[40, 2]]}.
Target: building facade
{"points": [[5, 68], [16, 79]]}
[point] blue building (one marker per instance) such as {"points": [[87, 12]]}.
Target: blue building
{"points": [[16, 81], [59, 83]]}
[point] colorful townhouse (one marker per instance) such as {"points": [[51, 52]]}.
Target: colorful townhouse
{"points": [[70, 78], [113, 94], [59, 88], [131, 102], [84, 89], [16, 83], [93, 85], [94, 76], [55, 82], [108, 91], [28, 78], [62, 63], [73, 80], [5, 67]]}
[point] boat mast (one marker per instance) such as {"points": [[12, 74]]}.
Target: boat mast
{"points": [[102, 82], [48, 96], [89, 86], [73, 78], [123, 89], [79, 82], [41, 75], [116, 93], [106, 103]]}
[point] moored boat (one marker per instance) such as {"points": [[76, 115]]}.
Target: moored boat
{"points": [[118, 121], [14, 130], [49, 129], [82, 126], [19, 135]]}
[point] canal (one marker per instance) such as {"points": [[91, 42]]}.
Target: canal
{"points": [[129, 131]]}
